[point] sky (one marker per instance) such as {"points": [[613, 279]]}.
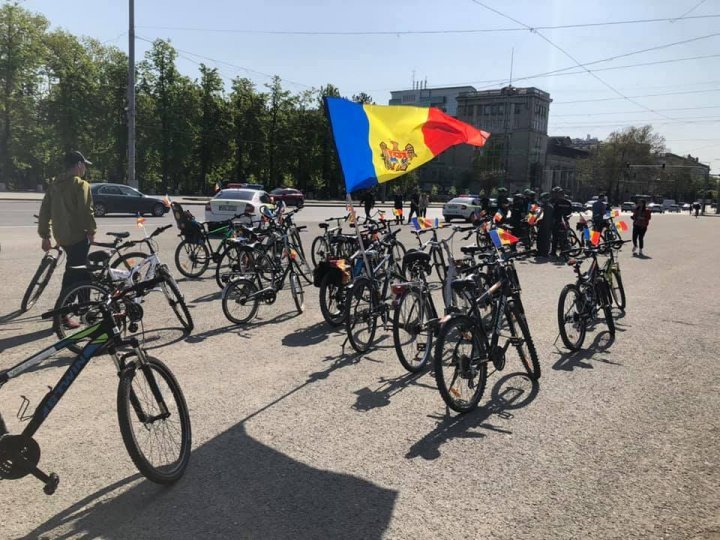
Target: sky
{"points": [[376, 47]]}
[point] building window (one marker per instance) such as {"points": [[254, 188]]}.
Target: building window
{"points": [[408, 98], [517, 108]]}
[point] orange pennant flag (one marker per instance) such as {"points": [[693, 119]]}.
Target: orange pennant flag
{"points": [[140, 222], [621, 225]]}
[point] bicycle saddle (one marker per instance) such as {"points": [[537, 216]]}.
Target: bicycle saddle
{"points": [[471, 250], [323, 225], [119, 234], [416, 256]]}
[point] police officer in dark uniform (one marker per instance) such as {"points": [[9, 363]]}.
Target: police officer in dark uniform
{"points": [[545, 226], [503, 203], [562, 208], [484, 202]]}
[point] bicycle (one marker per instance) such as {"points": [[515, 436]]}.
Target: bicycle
{"points": [[463, 350], [150, 403], [106, 278], [241, 296], [323, 245], [611, 271], [580, 302], [41, 278]]}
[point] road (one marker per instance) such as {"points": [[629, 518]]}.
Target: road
{"points": [[292, 438]]}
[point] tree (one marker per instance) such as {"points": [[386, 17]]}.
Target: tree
{"points": [[247, 108], [213, 126], [21, 57], [362, 97]]}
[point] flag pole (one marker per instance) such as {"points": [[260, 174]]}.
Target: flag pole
{"points": [[349, 206]]}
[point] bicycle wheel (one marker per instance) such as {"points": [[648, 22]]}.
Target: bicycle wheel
{"points": [[127, 261], [439, 263], [571, 317], [399, 252], [411, 335], [298, 242], [236, 260], [301, 265], [360, 314], [297, 292], [460, 364], [176, 300], [192, 259], [240, 301], [332, 301], [604, 295], [522, 341], [616, 288], [573, 243], [38, 282], [154, 420], [319, 250], [84, 318]]}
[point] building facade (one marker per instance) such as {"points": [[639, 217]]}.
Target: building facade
{"points": [[444, 99], [517, 119], [561, 165]]}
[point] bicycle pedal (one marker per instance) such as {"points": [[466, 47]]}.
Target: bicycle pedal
{"points": [[51, 484]]}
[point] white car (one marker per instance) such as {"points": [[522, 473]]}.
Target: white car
{"points": [[228, 203], [460, 208]]}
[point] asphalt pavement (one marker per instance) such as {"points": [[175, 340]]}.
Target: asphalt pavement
{"points": [[294, 438]]}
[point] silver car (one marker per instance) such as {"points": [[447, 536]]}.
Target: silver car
{"points": [[460, 208]]}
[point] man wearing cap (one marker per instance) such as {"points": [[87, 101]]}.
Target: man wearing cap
{"points": [[68, 209], [562, 208]]}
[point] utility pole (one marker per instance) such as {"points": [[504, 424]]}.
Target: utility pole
{"points": [[508, 92], [132, 181]]}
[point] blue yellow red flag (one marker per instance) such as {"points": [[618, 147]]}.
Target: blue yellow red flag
{"points": [[506, 237], [378, 143], [495, 238]]}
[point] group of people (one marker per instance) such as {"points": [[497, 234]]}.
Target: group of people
{"points": [[419, 202]]}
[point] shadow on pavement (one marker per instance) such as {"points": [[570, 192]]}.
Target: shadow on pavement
{"points": [[16, 341], [511, 392], [11, 316], [578, 359], [210, 297], [156, 338], [368, 399], [235, 487], [311, 335]]}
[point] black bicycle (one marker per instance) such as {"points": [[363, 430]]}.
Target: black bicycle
{"points": [[464, 349], [152, 412], [581, 302]]}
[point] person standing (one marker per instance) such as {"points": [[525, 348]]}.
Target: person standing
{"points": [[424, 203], [562, 210], [368, 200], [67, 211], [398, 206], [414, 205], [599, 208], [641, 219], [545, 226]]}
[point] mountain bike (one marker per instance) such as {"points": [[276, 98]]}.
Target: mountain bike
{"points": [[464, 349], [325, 244], [611, 271], [152, 413], [42, 277], [106, 278], [242, 295], [581, 302]]}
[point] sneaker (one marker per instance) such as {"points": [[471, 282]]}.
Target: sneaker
{"points": [[634, 250], [69, 323], [640, 253]]}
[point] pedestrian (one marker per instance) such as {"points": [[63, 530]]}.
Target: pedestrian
{"points": [[414, 205], [562, 210], [398, 206], [599, 208], [67, 210], [641, 219], [424, 203], [696, 207], [545, 226], [368, 200]]}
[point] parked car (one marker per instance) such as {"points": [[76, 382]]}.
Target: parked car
{"points": [[460, 208], [230, 202], [627, 206], [667, 203], [673, 208], [588, 205], [686, 206], [578, 207], [122, 199], [290, 196], [655, 208], [242, 185]]}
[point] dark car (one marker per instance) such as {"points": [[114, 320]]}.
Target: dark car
{"points": [[578, 207], [121, 199], [291, 197]]}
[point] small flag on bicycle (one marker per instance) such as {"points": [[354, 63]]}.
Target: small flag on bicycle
{"points": [[437, 222], [592, 236], [140, 222], [416, 224], [621, 225], [501, 237], [498, 217], [166, 201]]}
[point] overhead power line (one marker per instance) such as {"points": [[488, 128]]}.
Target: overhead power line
{"points": [[571, 57], [642, 96], [422, 32], [683, 16]]}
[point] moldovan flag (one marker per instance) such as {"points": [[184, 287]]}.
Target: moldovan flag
{"points": [[501, 237], [378, 143], [592, 236], [140, 222], [621, 225]]}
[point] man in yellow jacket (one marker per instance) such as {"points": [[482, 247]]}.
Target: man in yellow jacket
{"points": [[67, 210]]}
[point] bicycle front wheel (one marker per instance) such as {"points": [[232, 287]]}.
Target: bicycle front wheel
{"points": [[411, 335], [39, 282], [571, 317], [297, 292], [361, 314], [319, 250], [154, 420], [192, 259], [460, 364], [332, 300], [616, 288], [83, 318], [240, 301], [522, 341], [176, 300]]}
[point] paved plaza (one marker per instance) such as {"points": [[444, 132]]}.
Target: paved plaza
{"points": [[294, 438]]}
